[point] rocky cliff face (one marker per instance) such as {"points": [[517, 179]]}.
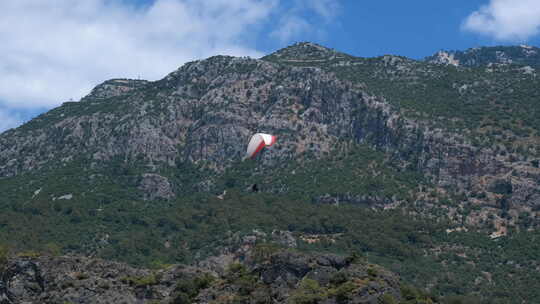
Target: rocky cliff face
{"points": [[439, 146], [205, 111]]}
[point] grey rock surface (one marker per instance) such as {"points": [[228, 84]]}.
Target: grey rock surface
{"points": [[279, 279]]}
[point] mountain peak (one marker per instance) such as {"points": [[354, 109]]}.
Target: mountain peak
{"points": [[445, 58], [114, 87], [305, 52]]}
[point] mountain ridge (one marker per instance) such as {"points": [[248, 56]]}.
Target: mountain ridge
{"points": [[205, 110]]}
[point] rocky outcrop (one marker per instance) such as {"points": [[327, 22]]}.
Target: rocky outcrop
{"points": [[155, 186], [483, 56], [443, 57], [264, 274], [114, 88], [291, 277], [85, 280], [205, 112]]}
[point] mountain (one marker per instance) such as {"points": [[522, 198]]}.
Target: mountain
{"points": [[431, 170], [523, 55]]}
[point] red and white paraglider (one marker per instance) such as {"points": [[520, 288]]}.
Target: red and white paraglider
{"points": [[258, 142]]}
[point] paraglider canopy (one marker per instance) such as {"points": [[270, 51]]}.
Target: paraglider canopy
{"points": [[258, 142]]}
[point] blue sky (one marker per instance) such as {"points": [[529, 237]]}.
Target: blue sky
{"points": [[415, 29], [55, 51]]}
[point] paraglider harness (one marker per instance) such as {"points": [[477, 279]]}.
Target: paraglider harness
{"points": [[257, 142]]}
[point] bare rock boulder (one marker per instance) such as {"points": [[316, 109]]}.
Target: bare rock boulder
{"points": [[155, 186]]}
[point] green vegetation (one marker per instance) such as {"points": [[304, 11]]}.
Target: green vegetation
{"points": [[4, 254], [309, 292], [142, 281], [343, 177], [106, 216], [263, 251]]}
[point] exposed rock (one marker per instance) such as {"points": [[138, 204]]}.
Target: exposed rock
{"points": [[84, 280], [443, 57], [63, 197], [155, 186], [285, 238], [114, 87], [483, 56], [281, 278]]}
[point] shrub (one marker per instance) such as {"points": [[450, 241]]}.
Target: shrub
{"points": [[141, 281], [3, 257], [52, 249], [339, 278], [308, 292], [501, 186], [29, 254], [355, 257], [187, 289], [263, 251], [81, 276], [372, 272], [344, 291], [409, 292], [181, 298], [388, 299]]}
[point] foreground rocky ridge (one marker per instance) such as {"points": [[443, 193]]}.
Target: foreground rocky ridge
{"points": [[261, 274]]}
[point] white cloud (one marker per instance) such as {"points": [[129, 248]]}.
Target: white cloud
{"points": [[506, 20], [328, 9], [9, 120], [294, 22], [289, 27], [53, 51]]}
